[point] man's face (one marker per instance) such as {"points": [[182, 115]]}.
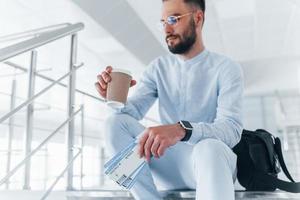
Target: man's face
{"points": [[181, 36]]}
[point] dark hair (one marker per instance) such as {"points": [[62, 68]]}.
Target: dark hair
{"points": [[198, 3]]}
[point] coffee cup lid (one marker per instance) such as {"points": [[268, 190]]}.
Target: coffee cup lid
{"points": [[122, 71], [115, 104]]}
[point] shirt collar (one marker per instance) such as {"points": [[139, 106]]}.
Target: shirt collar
{"points": [[193, 60]]}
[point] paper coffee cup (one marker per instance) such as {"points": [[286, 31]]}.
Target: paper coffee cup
{"points": [[118, 87]]}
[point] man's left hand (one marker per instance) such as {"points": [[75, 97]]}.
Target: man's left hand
{"points": [[155, 140]]}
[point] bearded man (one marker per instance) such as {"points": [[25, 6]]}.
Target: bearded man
{"points": [[199, 97]]}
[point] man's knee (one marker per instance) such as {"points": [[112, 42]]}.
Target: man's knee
{"points": [[120, 130], [115, 121], [113, 124], [210, 152]]}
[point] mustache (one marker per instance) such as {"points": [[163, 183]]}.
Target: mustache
{"points": [[168, 36]]}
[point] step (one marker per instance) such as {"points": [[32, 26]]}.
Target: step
{"points": [[124, 195], [177, 195]]}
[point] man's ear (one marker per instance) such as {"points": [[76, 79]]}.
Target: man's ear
{"points": [[199, 18]]}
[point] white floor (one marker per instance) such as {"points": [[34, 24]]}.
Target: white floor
{"points": [[116, 195]]}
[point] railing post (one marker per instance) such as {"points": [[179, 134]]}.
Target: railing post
{"points": [[102, 161], [46, 174], [29, 119], [82, 146], [59, 176], [70, 105], [11, 129]]}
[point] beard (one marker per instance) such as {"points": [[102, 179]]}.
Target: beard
{"points": [[186, 42]]}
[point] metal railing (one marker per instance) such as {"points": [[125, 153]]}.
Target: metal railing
{"points": [[31, 33], [42, 37], [5, 117], [17, 66], [49, 190], [13, 171]]}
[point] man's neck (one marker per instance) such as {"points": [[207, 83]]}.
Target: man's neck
{"points": [[197, 48]]}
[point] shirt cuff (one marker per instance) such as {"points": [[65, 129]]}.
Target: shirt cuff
{"points": [[197, 134], [127, 109]]}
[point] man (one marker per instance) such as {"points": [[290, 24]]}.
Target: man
{"points": [[199, 95]]}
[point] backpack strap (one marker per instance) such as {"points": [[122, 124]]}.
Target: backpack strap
{"points": [[277, 183], [277, 147], [280, 158]]}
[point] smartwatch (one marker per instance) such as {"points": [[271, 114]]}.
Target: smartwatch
{"points": [[188, 129]]}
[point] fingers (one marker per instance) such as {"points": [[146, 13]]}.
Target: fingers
{"points": [[154, 148], [132, 83], [147, 148], [103, 79], [161, 150], [108, 69], [99, 89], [142, 144], [102, 82]]}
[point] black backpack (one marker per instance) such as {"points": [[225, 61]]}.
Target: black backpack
{"points": [[259, 159]]}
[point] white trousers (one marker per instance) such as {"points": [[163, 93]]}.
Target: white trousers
{"points": [[209, 166]]}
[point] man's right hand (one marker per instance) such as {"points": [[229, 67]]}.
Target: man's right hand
{"points": [[103, 79]]}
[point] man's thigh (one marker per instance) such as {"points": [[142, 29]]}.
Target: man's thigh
{"points": [[174, 170]]}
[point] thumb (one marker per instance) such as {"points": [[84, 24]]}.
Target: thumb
{"points": [[132, 83]]}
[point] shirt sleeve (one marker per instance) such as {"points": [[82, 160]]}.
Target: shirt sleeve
{"points": [[227, 125], [144, 96]]}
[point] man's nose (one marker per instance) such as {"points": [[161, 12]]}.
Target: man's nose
{"points": [[168, 28]]}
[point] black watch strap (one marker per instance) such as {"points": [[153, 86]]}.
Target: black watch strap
{"points": [[188, 130]]}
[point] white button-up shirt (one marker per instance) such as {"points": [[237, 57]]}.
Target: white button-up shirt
{"points": [[205, 90]]}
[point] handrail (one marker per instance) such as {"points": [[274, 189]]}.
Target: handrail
{"points": [[49, 190], [45, 38], [3, 180], [36, 95], [31, 33]]}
